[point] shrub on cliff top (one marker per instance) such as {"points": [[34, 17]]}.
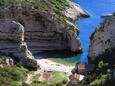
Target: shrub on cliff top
{"points": [[55, 7], [11, 75], [52, 5]]}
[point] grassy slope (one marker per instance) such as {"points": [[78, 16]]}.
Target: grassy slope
{"points": [[8, 72], [15, 75], [55, 7], [11, 75], [55, 79]]}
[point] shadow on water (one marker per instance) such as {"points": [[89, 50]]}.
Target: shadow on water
{"points": [[64, 56]]}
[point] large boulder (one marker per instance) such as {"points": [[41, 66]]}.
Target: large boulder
{"points": [[30, 64], [24, 52], [26, 57], [6, 61]]}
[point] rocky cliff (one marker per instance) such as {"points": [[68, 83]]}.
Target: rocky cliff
{"points": [[103, 39], [43, 30]]}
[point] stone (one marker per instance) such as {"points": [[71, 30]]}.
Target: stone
{"points": [[24, 52], [38, 29], [25, 31], [6, 61], [103, 40], [12, 43], [20, 30], [26, 57], [75, 12], [31, 64]]}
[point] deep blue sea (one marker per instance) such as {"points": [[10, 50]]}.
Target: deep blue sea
{"points": [[95, 8]]}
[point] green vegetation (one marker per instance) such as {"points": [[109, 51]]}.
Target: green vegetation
{"points": [[97, 28], [101, 26], [43, 4], [10, 72], [55, 79], [53, 7], [40, 84], [101, 76], [58, 79], [16, 75], [11, 75]]}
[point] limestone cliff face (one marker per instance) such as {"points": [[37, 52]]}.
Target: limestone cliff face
{"points": [[103, 39], [75, 12], [42, 31]]}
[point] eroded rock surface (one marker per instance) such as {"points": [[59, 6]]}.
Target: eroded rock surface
{"points": [[75, 11], [12, 43], [26, 57], [42, 30], [6, 61], [103, 39]]}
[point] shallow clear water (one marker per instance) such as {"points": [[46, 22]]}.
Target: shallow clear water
{"points": [[63, 57], [96, 8]]}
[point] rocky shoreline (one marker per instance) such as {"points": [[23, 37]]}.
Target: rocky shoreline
{"points": [[37, 30], [42, 32], [26, 31]]}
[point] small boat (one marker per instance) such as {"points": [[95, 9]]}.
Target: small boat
{"points": [[105, 15]]}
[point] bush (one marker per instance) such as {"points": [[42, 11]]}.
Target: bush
{"points": [[58, 78], [100, 76], [93, 33], [39, 84], [13, 72], [5, 81]]}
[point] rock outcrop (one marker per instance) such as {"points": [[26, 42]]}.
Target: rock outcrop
{"points": [[42, 30], [103, 40], [6, 61], [75, 12], [12, 43], [26, 57]]}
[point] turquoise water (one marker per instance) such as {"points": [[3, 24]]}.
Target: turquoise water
{"points": [[63, 57], [96, 8]]}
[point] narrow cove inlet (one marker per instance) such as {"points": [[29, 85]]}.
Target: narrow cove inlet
{"points": [[57, 42], [87, 25]]}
